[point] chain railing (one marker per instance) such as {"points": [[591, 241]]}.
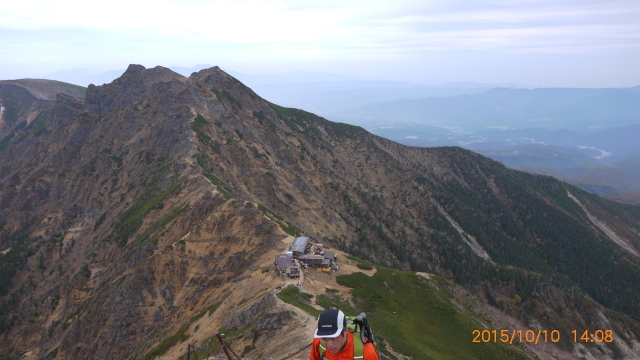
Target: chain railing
{"points": [[229, 353]]}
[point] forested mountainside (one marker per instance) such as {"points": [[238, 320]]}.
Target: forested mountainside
{"points": [[130, 213]]}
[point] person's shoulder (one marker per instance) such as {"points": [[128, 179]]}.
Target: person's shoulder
{"points": [[315, 355], [370, 352]]}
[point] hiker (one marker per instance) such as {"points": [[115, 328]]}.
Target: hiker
{"points": [[334, 341]]}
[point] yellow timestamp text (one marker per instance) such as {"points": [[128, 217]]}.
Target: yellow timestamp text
{"points": [[540, 336]]}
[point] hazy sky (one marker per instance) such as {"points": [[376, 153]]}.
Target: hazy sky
{"points": [[572, 43]]}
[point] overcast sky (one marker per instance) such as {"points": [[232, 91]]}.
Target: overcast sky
{"points": [[567, 43]]}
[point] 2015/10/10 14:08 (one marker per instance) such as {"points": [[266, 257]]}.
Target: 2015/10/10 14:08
{"points": [[537, 336]]}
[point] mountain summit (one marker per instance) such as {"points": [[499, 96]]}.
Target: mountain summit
{"points": [[159, 200]]}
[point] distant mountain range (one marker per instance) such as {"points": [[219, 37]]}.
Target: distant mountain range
{"points": [[553, 108], [525, 129]]}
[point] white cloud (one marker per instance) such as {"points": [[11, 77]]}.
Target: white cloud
{"points": [[479, 139], [405, 25], [454, 129], [603, 153], [383, 128], [407, 37], [533, 141], [224, 21]]}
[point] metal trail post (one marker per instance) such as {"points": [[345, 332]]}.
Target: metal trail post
{"points": [[224, 346], [189, 347]]}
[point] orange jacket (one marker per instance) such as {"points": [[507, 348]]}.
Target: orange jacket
{"points": [[345, 354]]}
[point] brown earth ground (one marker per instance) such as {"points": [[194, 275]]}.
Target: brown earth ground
{"points": [[293, 339]]}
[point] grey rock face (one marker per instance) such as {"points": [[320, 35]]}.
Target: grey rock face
{"points": [[266, 314]]}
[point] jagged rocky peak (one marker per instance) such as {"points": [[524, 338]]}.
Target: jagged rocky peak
{"points": [[227, 89], [215, 78], [215, 70], [126, 89], [139, 74]]}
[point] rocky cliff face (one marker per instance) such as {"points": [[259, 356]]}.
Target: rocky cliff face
{"points": [[129, 218], [18, 106], [120, 223]]}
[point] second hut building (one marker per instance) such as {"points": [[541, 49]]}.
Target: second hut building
{"points": [[286, 265]]}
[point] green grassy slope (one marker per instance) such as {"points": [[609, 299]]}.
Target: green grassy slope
{"points": [[419, 317]]}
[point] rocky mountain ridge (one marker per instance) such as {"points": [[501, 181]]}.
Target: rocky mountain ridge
{"points": [[46, 89], [128, 216]]}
